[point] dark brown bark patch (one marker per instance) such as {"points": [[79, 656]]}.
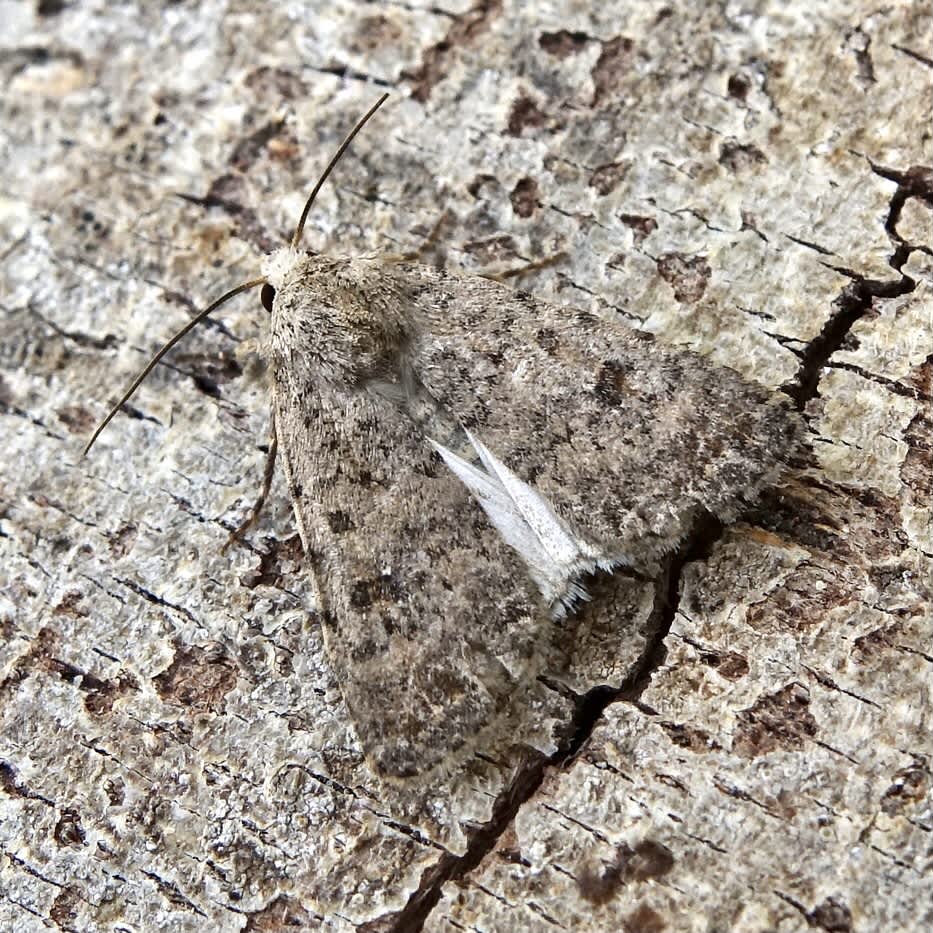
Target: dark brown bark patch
{"points": [[689, 737], [641, 225], [562, 44], [646, 861], [606, 178], [779, 720], [463, 33], [198, 678], [738, 157], [832, 915], [687, 275], [524, 197], [613, 65], [525, 114]]}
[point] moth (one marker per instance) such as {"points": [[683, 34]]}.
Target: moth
{"points": [[461, 457]]}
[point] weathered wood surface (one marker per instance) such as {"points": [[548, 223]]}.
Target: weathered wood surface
{"points": [[754, 182]]}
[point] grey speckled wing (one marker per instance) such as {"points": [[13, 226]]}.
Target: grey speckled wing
{"points": [[427, 419], [628, 440], [430, 622]]}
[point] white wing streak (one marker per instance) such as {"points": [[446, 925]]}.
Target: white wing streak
{"points": [[555, 556]]}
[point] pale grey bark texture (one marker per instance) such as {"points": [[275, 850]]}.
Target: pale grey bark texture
{"points": [[753, 181]]}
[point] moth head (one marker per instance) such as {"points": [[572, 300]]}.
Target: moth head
{"points": [[274, 269]]}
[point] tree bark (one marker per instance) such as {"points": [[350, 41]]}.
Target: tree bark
{"points": [[747, 747]]}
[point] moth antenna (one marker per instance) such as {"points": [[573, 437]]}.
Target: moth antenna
{"points": [[296, 239], [137, 382]]}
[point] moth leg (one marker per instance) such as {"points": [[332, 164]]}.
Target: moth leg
{"points": [[506, 274], [256, 510], [426, 243]]}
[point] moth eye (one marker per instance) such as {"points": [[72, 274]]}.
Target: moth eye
{"points": [[267, 296]]}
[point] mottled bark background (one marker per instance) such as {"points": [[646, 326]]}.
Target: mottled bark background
{"points": [[748, 747]]}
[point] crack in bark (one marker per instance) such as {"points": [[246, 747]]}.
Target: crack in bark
{"points": [[156, 600], [173, 893], [737, 793], [917, 56], [450, 867], [13, 787], [857, 297], [824, 680], [891, 385], [30, 870], [348, 72]]}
